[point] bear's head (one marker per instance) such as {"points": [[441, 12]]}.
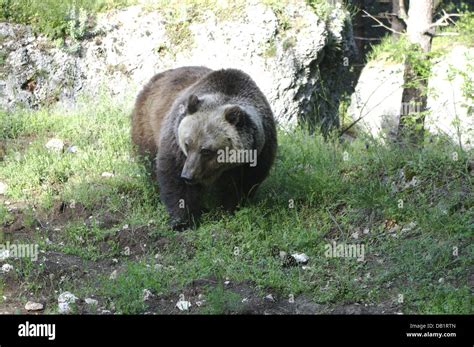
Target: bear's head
{"points": [[210, 129]]}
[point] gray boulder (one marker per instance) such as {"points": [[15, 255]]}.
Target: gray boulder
{"points": [[378, 95], [281, 50]]}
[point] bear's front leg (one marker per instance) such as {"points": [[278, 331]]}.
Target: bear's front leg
{"points": [[182, 201]]}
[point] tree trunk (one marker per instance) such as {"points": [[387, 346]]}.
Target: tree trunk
{"points": [[420, 17], [413, 110]]}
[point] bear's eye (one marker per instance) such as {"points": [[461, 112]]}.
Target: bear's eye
{"points": [[206, 152]]}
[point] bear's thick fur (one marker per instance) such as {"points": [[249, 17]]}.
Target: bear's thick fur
{"points": [[185, 118]]}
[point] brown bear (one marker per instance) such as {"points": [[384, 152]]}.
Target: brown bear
{"points": [[207, 131]]}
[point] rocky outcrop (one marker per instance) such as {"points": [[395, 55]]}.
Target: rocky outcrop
{"points": [[281, 50], [378, 95]]}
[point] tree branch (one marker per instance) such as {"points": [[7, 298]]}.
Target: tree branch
{"points": [[444, 21], [381, 24], [446, 34]]}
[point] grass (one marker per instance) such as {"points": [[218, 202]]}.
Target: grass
{"points": [[50, 17], [338, 190]]}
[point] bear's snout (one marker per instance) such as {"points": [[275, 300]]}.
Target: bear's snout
{"points": [[188, 174], [188, 179]]}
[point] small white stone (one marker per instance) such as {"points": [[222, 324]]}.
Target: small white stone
{"points": [[91, 302], [3, 188], [56, 145], [270, 297], [34, 306], [72, 149], [113, 275], [147, 294], [67, 297], [64, 302], [300, 258], [7, 268], [183, 305]]}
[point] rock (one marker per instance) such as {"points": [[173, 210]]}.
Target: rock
{"points": [[378, 95], [270, 297], [56, 145], [409, 227], [451, 112], [64, 302], [91, 302], [183, 305], [7, 268], [3, 188], [147, 294], [300, 258], [34, 306], [107, 174], [284, 61], [377, 99], [113, 275], [72, 149]]}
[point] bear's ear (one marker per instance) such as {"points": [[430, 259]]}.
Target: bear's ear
{"points": [[193, 103], [236, 116]]}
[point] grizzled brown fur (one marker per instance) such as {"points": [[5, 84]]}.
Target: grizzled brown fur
{"points": [[226, 109]]}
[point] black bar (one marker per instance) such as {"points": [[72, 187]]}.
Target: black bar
{"points": [[165, 330]]}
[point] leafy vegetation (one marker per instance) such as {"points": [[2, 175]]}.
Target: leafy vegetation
{"points": [[55, 19]]}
